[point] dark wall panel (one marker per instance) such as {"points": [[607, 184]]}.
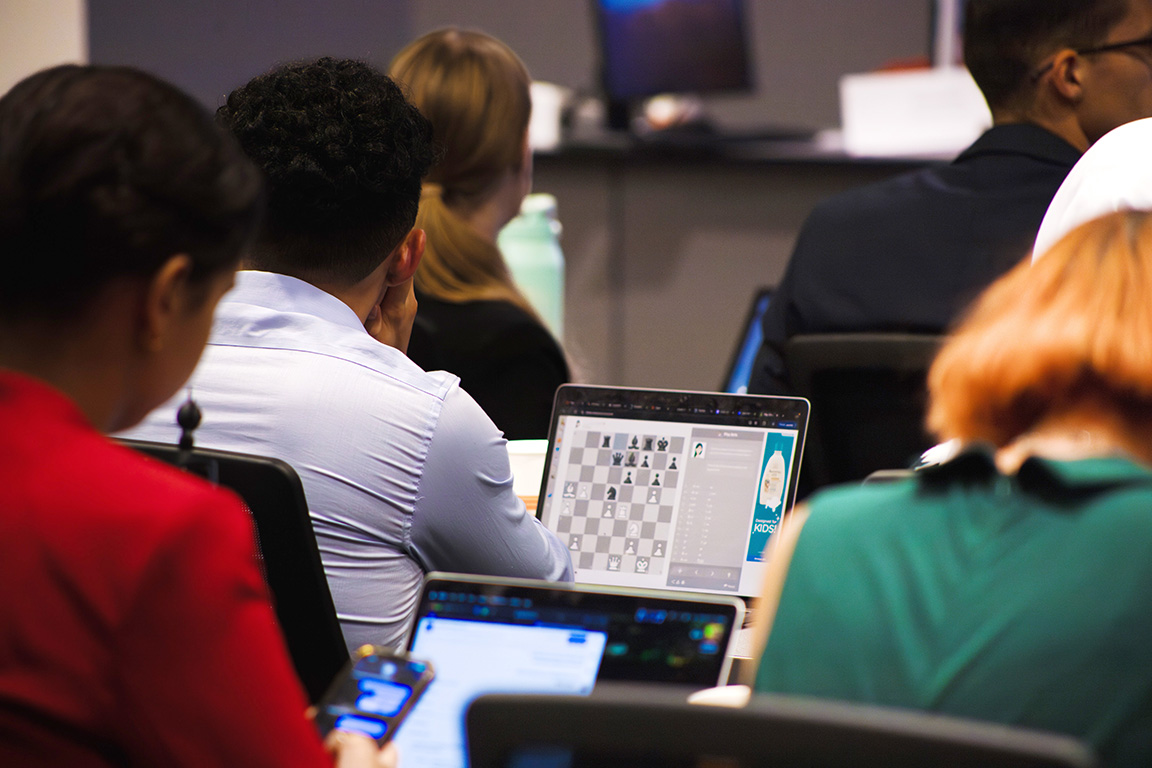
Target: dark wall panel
{"points": [[209, 47]]}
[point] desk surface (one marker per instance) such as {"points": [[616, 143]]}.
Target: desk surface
{"points": [[820, 149]]}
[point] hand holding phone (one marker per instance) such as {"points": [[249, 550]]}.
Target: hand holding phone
{"points": [[374, 693]]}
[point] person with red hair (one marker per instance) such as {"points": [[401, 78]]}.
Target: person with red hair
{"points": [[1014, 582]]}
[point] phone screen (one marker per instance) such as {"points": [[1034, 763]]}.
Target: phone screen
{"points": [[374, 694]]}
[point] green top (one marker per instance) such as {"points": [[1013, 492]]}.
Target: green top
{"points": [[1025, 600]]}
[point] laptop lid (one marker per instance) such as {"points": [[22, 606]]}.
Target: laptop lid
{"points": [[485, 635], [665, 489], [739, 371]]}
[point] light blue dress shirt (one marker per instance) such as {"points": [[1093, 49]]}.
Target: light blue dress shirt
{"points": [[403, 471]]}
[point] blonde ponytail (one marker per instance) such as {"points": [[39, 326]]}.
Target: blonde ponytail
{"points": [[459, 264]]}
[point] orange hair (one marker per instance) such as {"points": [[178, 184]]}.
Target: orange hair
{"points": [[1073, 330]]}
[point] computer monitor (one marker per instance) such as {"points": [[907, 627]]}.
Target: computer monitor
{"points": [[650, 47]]}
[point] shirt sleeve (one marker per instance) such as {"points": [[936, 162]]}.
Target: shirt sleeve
{"points": [[467, 517], [205, 677]]}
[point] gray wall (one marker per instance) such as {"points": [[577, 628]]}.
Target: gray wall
{"points": [[801, 47], [662, 259]]}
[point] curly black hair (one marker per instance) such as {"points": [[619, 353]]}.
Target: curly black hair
{"points": [[343, 154], [107, 172]]}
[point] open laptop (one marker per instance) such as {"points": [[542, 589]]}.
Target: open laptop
{"points": [[486, 635], [665, 489], [739, 371]]}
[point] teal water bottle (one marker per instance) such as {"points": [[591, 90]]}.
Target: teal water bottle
{"points": [[531, 247]]}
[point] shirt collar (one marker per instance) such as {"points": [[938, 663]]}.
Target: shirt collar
{"points": [[283, 293], [977, 463], [1022, 139]]}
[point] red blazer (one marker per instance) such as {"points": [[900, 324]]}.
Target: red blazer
{"points": [[134, 625]]}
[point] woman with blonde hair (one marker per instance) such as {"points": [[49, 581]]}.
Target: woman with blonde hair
{"points": [[472, 319], [1013, 583]]}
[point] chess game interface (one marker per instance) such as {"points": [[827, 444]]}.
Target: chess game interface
{"points": [[670, 490]]}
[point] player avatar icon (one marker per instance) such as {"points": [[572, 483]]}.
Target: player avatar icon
{"points": [[611, 495], [566, 510], [628, 479], [698, 451], [630, 547], [644, 464], [672, 466], [613, 562], [569, 490], [658, 549], [656, 480], [631, 460], [633, 530], [617, 458], [647, 443], [607, 441], [635, 442], [662, 444], [583, 491], [654, 496], [574, 543], [621, 511], [641, 565]]}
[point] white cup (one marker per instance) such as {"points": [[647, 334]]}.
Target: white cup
{"points": [[527, 460]]}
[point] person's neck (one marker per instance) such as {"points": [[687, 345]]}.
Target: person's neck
{"points": [[87, 366], [361, 296], [487, 214], [1056, 122], [1070, 437]]}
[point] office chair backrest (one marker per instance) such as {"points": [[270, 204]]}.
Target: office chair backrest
{"points": [[286, 543], [868, 397], [645, 726]]}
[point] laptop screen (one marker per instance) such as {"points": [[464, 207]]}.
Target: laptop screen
{"points": [[487, 635], [670, 490], [751, 336]]}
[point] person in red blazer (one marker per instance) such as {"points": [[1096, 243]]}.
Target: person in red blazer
{"points": [[135, 628]]}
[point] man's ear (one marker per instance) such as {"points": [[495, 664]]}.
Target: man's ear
{"points": [[406, 257], [1066, 75], [165, 299]]}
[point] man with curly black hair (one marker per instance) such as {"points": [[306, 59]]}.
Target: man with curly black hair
{"points": [[404, 473]]}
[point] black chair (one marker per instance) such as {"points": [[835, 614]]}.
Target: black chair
{"points": [[286, 544], [868, 397], [653, 726]]}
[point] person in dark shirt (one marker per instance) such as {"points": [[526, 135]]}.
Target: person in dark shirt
{"points": [[907, 254]]}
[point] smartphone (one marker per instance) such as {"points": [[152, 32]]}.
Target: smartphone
{"points": [[374, 693]]}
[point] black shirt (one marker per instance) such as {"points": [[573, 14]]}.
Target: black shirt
{"points": [[908, 253], [507, 361]]}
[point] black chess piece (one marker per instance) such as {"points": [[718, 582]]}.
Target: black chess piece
{"points": [[647, 443], [617, 458], [607, 442], [644, 465], [635, 442], [672, 466], [631, 460], [662, 444], [611, 493], [628, 480], [657, 480]]}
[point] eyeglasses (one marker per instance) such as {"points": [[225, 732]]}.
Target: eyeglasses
{"points": [[1145, 42]]}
